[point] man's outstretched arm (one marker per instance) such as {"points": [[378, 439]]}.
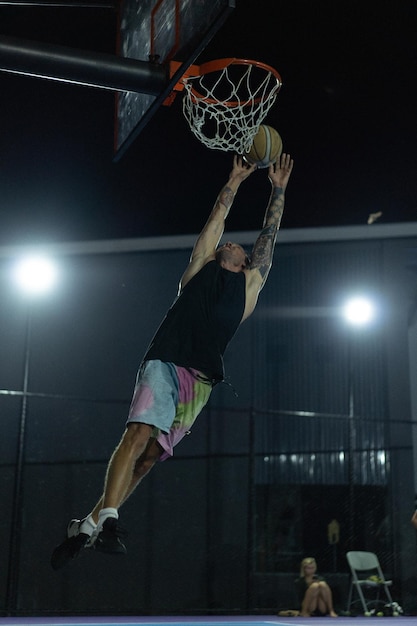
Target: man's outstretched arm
{"points": [[263, 250], [205, 247]]}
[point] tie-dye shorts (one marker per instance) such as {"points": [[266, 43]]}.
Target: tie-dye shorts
{"points": [[169, 398]]}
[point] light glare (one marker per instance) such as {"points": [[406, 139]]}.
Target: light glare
{"points": [[358, 311], [35, 275]]}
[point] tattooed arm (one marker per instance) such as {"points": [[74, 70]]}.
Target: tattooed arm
{"points": [[263, 250], [208, 240]]}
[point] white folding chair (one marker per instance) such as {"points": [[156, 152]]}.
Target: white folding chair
{"points": [[367, 575]]}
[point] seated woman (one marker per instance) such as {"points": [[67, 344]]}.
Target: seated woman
{"points": [[314, 593]]}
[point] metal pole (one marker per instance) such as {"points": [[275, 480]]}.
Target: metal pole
{"points": [[16, 520], [352, 443], [81, 67], [251, 560], [90, 4]]}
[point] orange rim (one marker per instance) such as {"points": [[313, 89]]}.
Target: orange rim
{"points": [[220, 64]]}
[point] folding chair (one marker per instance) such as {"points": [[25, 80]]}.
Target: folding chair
{"points": [[366, 574]]}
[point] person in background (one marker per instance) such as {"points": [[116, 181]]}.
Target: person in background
{"points": [[314, 593]]}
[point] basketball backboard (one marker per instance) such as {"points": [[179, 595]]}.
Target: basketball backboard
{"points": [[163, 30]]}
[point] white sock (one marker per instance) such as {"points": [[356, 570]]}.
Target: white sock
{"points": [[87, 525], [104, 514]]}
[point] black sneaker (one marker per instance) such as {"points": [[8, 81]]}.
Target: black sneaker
{"points": [[108, 539], [70, 547]]}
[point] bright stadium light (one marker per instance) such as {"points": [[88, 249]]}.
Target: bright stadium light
{"points": [[35, 274], [359, 311]]}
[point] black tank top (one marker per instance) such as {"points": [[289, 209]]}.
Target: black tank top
{"points": [[202, 320]]}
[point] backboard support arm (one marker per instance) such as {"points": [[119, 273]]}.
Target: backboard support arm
{"points": [[86, 68]]}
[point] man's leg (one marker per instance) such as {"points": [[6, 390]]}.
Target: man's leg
{"points": [[122, 463], [120, 482], [142, 467], [124, 472]]}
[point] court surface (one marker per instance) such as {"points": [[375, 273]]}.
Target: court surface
{"points": [[207, 621]]}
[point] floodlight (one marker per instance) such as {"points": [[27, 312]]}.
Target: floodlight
{"points": [[35, 274], [359, 311]]}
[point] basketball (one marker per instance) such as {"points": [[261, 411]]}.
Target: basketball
{"points": [[266, 147]]}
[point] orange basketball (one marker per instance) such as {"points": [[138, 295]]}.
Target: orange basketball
{"points": [[266, 147]]}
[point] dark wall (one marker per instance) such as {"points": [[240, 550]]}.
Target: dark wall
{"points": [[258, 467]]}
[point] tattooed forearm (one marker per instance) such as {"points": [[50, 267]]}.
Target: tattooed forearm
{"points": [[226, 197], [275, 208], [263, 249]]}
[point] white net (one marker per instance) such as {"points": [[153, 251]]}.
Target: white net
{"points": [[225, 108]]}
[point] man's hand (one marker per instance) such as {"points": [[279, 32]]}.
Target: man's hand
{"points": [[241, 169], [279, 173], [414, 519]]}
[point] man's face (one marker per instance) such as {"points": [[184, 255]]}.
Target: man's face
{"points": [[232, 257]]}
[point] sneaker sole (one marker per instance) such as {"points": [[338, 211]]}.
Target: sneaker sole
{"points": [[68, 550]]}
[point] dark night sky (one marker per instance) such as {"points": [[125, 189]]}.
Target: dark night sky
{"points": [[346, 112]]}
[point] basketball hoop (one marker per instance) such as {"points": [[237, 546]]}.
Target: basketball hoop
{"points": [[228, 100]]}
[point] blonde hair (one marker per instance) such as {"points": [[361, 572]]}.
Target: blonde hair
{"points": [[309, 560]]}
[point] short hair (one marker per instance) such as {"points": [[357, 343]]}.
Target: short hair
{"points": [[223, 254]]}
